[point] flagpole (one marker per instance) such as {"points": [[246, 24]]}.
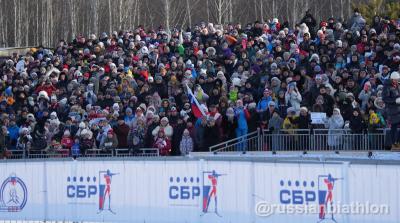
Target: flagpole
{"points": [[189, 91]]}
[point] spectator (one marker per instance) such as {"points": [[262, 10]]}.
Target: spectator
{"points": [[274, 126], [186, 144], [164, 125], [293, 97], [86, 84], [391, 97], [110, 143], [357, 124], [75, 149], [211, 134], [86, 141], [335, 125], [304, 120], [13, 132], [4, 142], [67, 141], [229, 121], [121, 130], [138, 135], [24, 141], [162, 143]]}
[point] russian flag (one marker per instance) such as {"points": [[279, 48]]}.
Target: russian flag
{"points": [[196, 107]]}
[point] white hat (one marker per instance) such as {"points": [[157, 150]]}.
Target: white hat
{"points": [[53, 114], [115, 106], [395, 76], [67, 133], [236, 81], [43, 94], [82, 125], [164, 119]]}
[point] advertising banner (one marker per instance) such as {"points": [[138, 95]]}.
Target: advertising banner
{"points": [[198, 191]]}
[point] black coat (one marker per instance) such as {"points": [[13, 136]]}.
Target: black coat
{"points": [[304, 122], [229, 128], [357, 124], [211, 136], [389, 96]]}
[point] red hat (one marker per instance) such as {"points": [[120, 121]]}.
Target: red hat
{"points": [[87, 75], [111, 131]]}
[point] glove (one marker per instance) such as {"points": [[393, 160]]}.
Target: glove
{"points": [[397, 100]]}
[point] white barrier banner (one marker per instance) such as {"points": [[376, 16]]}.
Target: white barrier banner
{"points": [[198, 191]]}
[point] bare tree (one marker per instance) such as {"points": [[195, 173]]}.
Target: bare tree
{"points": [[27, 22], [219, 10]]}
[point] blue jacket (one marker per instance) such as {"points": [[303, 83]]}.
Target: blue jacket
{"points": [[263, 103], [75, 149], [13, 132], [241, 117]]}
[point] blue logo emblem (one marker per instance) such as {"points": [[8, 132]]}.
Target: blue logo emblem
{"points": [[13, 194], [184, 191], [210, 191], [89, 188], [307, 192]]}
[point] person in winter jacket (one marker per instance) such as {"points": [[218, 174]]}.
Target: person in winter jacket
{"points": [[186, 144], [139, 134], [67, 141], [335, 125], [13, 133], [162, 143], [293, 97], [357, 124], [365, 95], [75, 149], [262, 105], [110, 143], [357, 127], [211, 134], [24, 142], [4, 142], [274, 125], [122, 131], [229, 122], [391, 97], [304, 120], [242, 115], [86, 141], [164, 125]]}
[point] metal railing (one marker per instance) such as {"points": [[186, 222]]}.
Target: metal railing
{"points": [[120, 152], [306, 140], [250, 141]]}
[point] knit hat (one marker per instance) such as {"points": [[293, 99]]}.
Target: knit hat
{"points": [[290, 110], [128, 110], [304, 109], [82, 125], [165, 119], [67, 133]]}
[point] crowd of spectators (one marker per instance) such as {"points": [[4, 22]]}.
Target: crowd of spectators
{"points": [[128, 89]]}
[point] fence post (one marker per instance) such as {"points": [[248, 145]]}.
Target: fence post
{"points": [[259, 141]]}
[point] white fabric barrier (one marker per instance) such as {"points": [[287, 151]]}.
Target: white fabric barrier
{"points": [[195, 191]]}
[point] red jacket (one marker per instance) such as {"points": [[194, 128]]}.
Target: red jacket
{"points": [[67, 142], [163, 145], [49, 89]]}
